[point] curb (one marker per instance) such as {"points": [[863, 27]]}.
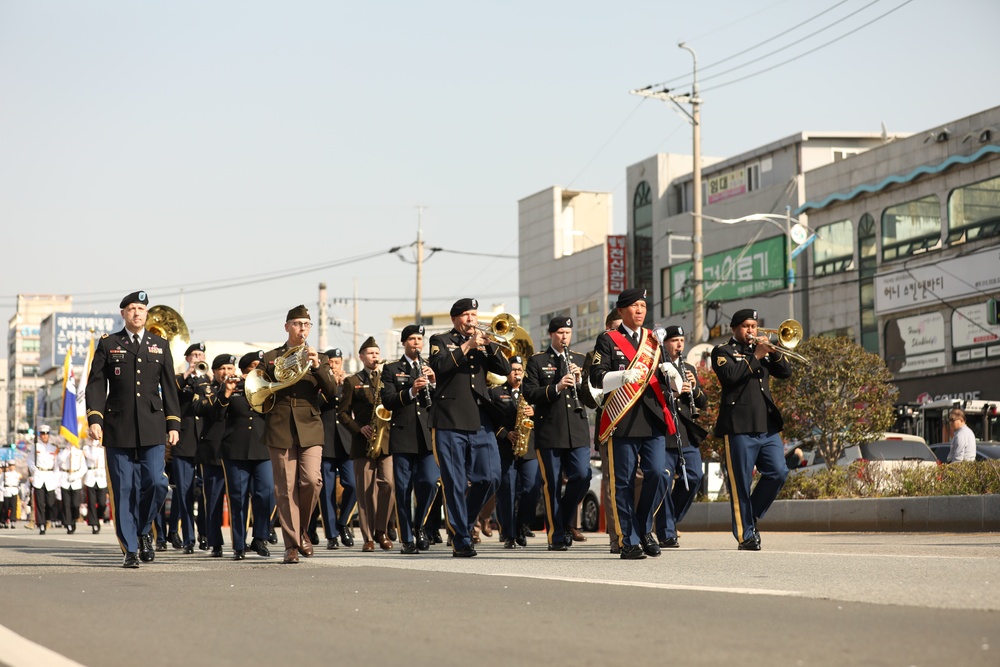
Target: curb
{"points": [[953, 514]]}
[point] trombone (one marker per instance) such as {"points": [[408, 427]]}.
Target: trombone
{"points": [[501, 330], [789, 334]]}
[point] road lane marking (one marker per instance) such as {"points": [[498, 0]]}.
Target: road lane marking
{"points": [[648, 584], [21, 652]]}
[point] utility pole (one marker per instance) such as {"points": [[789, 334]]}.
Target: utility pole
{"points": [[697, 255], [357, 331], [420, 265], [322, 317]]}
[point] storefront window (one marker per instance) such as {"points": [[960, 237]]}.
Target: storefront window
{"points": [[911, 228], [834, 249]]}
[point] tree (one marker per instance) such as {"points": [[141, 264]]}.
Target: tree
{"points": [[843, 398]]}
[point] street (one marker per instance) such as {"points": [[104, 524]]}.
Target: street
{"points": [[806, 599]]}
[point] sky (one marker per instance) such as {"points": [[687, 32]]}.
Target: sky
{"points": [[227, 157]]}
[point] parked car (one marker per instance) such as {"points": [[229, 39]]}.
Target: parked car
{"points": [[590, 508], [892, 451], [986, 450]]}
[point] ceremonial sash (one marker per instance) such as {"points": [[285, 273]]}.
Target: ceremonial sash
{"points": [[623, 398]]}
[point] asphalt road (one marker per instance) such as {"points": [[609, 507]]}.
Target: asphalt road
{"points": [[806, 599]]}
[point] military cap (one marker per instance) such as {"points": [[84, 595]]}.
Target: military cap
{"points": [[334, 353], [742, 316], [249, 358], [369, 342], [463, 305], [516, 359], [557, 323], [222, 360], [134, 297], [298, 312], [194, 347], [43, 429], [674, 332], [630, 296], [409, 330]]}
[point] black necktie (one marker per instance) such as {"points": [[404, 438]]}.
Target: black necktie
{"points": [[135, 340], [635, 341]]}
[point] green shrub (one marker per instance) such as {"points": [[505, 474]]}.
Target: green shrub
{"points": [[860, 480]]}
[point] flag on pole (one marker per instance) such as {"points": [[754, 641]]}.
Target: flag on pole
{"points": [[69, 427], [81, 392]]}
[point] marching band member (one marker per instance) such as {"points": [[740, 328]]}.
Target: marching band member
{"points": [[518, 472], [552, 384], [337, 463], [750, 423], [687, 401], [463, 420], [72, 467], [142, 415], [210, 450], [192, 391], [293, 431], [44, 478], [96, 483], [406, 392], [246, 462], [372, 476], [636, 421]]}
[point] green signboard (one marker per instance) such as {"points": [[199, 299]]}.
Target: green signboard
{"points": [[732, 274]]}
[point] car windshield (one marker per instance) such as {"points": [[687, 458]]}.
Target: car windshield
{"points": [[897, 450]]}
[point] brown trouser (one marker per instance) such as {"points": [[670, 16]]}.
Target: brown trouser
{"points": [[297, 481], [376, 495]]}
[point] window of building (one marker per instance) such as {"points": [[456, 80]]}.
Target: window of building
{"points": [[974, 212], [30, 345], [911, 228], [834, 249], [642, 225], [868, 263], [753, 177], [29, 371], [681, 200]]}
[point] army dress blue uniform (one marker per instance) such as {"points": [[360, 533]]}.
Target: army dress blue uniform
{"points": [[336, 465], [415, 473], [463, 420], [517, 493], [562, 440], [131, 394], [210, 459], [192, 393]]}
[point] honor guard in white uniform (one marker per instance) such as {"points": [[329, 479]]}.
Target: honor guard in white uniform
{"points": [[72, 467], [10, 492], [96, 483], [44, 479]]}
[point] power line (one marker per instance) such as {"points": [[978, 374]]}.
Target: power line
{"points": [[605, 144], [737, 21], [810, 51]]}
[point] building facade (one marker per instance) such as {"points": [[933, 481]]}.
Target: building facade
{"points": [[908, 256]]}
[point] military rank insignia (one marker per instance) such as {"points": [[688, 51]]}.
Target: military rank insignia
{"points": [[434, 349], [597, 357], [720, 361]]}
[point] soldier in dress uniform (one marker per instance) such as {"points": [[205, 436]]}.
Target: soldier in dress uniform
{"points": [[44, 478], [553, 384], [293, 432], [516, 495], [406, 391], [11, 490], [636, 420], [131, 392], [337, 463], [372, 476], [192, 390], [688, 401], [750, 423], [210, 450], [464, 418], [246, 462], [96, 484], [71, 467]]}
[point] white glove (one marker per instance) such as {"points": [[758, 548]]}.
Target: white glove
{"points": [[616, 379], [673, 376]]}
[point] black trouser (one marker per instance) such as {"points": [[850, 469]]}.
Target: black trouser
{"points": [[71, 499], [43, 505], [8, 509], [97, 504]]}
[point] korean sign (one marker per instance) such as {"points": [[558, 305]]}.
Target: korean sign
{"points": [[616, 264]]}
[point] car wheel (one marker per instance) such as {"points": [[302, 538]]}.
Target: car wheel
{"points": [[590, 515]]}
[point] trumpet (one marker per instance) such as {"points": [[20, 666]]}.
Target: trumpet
{"points": [[201, 369], [789, 334]]}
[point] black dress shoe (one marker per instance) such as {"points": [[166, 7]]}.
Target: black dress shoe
{"points": [[161, 546], [260, 547], [237, 555], [314, 537], [345, 537], [558, 546], [632, 552], [423, 542], [332, 544], [189, 549], [509, 543], [752, 543], [216, 552], [669, 543], [41, 530], [131, 560], [649, 545], [146, 553], [435, 537], [521, 541], [175, 541], [95, 529], [272, 537], [203, 543], [70, 529], [526, 531], [464, 552], [391, 532], [409, 548], [568, 538]]}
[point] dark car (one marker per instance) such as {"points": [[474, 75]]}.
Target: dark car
{"points": [[986, 450]]}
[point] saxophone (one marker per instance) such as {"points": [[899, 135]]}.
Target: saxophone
{"points": [[378, 441], [522, 427]]}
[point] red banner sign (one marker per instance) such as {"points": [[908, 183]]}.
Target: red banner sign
{"points": [[616, 264]]}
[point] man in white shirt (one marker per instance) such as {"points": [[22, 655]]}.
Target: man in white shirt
{"points": [[72, 467], [44, 479], [96, 483], [963, 441]]}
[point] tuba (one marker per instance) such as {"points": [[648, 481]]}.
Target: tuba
{"points": [[378, 441], [289, 368], [167, 323], [516, 342]]}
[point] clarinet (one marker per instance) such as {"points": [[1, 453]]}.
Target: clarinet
{"points": [[429, 389], [695, 413], [577, 405]]}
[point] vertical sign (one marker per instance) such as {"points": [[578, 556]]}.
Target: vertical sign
{"points": [[616, 264]]}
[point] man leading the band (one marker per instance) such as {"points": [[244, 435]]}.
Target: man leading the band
{"points": [[463, 420], [750, 423], [636, 421]]}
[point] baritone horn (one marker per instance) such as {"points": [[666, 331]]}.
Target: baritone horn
{"points": [[789, 334]]}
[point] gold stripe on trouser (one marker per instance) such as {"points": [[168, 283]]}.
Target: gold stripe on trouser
{"points": [[545, 492], [613, 486], [430, 504], [114, 508], [734, 496], [444, 503]]}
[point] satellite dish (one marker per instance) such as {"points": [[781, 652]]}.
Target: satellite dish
{"points": [[698, 355], [799, 234]]}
